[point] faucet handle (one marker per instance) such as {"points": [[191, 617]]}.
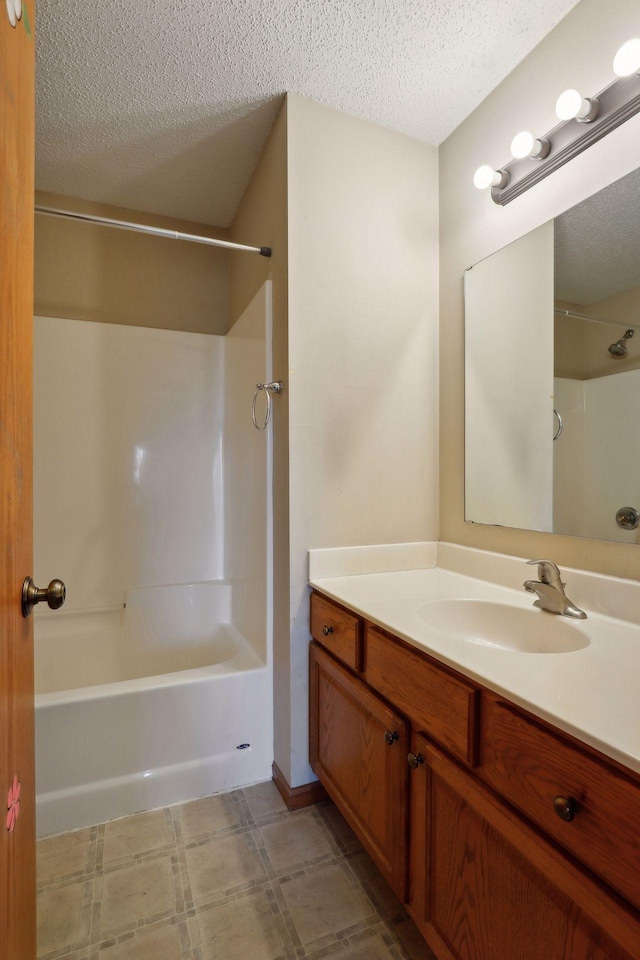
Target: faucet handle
{"points": [[548, 571]]}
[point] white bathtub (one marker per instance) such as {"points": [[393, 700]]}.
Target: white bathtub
{"points": [[147, 705]]}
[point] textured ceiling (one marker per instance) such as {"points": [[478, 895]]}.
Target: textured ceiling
{"points": [[165, 105], [597, 244]]}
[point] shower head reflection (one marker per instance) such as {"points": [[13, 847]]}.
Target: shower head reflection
{"points": [[619, 349]]}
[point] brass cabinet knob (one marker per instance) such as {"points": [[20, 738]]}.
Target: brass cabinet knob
{"points": [[327, 630], [390, 736], [55, 595], [414, 760], [566, 807]]}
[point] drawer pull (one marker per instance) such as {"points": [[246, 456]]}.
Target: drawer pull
{"points": [[390, 736], [566, 807], [414, 760], [327, 630]]}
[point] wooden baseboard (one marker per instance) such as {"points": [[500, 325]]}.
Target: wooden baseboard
{"points": [[297, 797]]}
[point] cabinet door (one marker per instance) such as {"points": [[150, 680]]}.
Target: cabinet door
{"points": [[358, 750], [417, 893], [496, 889]]}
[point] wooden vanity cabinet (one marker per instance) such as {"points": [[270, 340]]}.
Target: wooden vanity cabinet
{"points": [[438, 702], [466, 832], [418, 826], [359, 749], [494, 889], [337, 629], [534, 769]]}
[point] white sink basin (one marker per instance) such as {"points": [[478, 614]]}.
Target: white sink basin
{"points": [[503, 627]]}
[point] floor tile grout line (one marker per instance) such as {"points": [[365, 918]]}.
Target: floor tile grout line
{"points": [[252, 818]]}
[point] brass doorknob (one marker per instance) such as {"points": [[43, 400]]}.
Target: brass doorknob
{"points": [[55, 595], [566, 807], [327, 630], [414, 760], [390, 736]]}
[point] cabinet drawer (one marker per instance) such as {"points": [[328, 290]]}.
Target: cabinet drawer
{"points": [[442, 705], [530, 766], [337, 630]]}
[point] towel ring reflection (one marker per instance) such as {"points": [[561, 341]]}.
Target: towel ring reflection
{"points": [[560, 425], [276, 386]]}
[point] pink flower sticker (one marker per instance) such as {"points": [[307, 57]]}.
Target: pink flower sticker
{"points": [[13, 804]]}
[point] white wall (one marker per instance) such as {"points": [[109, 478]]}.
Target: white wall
{"points": [[247, 458], [127, 458], [611, 452], [568, 458], [363, 299], [509, 385], [577, 53]]}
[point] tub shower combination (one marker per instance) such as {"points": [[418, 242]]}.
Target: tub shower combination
{"points": [[160, 701], [151, 695]]}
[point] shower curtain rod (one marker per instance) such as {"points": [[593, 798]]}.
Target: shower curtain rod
{"points": [[153, 231], [583, 316]]}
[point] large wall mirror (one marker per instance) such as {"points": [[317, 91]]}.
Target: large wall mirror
{"points": [[552, 374]]}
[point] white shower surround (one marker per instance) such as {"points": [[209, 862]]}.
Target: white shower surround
{"points": [[158, 668], [128, 484], [596, 467]]}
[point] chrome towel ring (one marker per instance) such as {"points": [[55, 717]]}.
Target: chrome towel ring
{"points": [[276, 386], [560, 425]]}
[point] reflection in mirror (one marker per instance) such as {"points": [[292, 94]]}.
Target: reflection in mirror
{"points": [[552, 374]]}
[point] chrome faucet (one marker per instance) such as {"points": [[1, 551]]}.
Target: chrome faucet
{"points": [[550, 590]]}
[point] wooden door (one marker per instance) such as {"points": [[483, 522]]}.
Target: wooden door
{"points": [[495, 889], [359, 751], [17, 824]]}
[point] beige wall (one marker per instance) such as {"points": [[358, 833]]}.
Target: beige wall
{"points": [[569, 342], [89, 272], [262, 220], [624, 308], [354, 207], [363, 295], [578, 53]]}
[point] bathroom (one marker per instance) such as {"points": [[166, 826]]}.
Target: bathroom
{"points": [[368, 435]]}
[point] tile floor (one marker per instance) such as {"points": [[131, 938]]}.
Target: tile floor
{"points": [[230, 877]]}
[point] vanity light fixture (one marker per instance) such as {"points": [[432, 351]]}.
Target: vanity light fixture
{"points": [[583, 121], [486, 176], [524, 144], [627, 59], [571, 105]]}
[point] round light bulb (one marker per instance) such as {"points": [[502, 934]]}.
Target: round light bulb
{"points": [[568, 105], [485, 177], [571, 105], [522, 144], [627, 59]]}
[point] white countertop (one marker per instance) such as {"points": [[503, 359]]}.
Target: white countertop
{"points": [[592, 693]]}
